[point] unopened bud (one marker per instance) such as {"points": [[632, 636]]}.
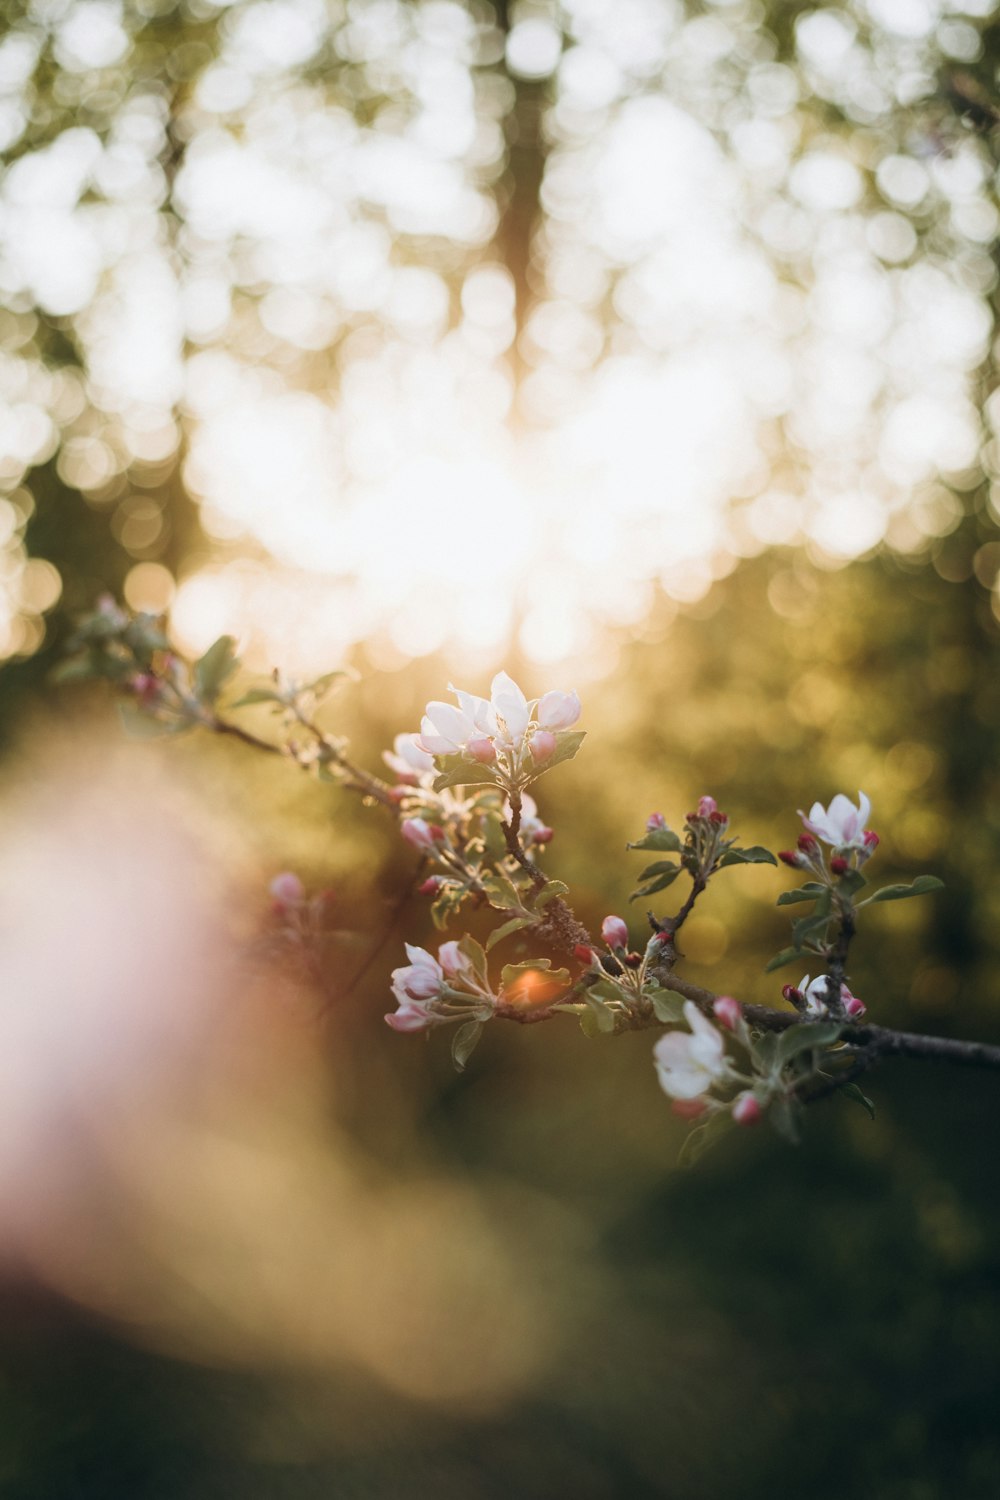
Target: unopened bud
{"points": [[632, 960], [807, 843], [543, 835], [482, 749], [789, 857], [793, 996], [614, 932], [542, 744], [420, 833], [839, 865], [689, 1109], [654, 821], [871, 839], [583, 954], [720, 819], [727, 1012], [707, 806], [397, 793], [746, 1110], [146, 688], [287, 890], [430, 886], [854, 1007]]}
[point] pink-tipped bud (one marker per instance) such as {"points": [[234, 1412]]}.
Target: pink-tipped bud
{"points": [[398, 793], [871, 839], [543, 744], [720, 819], [746, 1110], [287, 890], [632, 960], [419, 833], [807, 843], [707, 806], [146, 688], [409, 1017], [430, 886], [655, 821], [789, 857], [583, 954], [793, 996], [689, 1109], [854, 1007], [727, 1012], [452, 960], [482, 749], [614, 932], [839, 865], [543, 835]]}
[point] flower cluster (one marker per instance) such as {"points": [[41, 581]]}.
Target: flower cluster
{"points": [[842, 826], [507, 731], [434, 991], [691, 1065]]}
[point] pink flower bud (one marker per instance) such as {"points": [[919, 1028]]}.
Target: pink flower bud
{"points": [[452, 960], [430, 886], [583, 954], [720, 819], [655, 821], [789, 857], [409, 1017], [839, 865], [689, 1109], [543, 835], [871, 839], [146, 688], [397, 793], [727, 1012], [807, 843], [854, 1007], [707, 806], [542, 744], [287, 890], [746, 1110], [418, 832], [614, 932], [558, 710], [482, 749], [793, 996], [633, 960]]}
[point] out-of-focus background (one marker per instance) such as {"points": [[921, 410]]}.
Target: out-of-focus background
{"points": [[642, 347]]}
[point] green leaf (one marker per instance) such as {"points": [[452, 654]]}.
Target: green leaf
{"points": [[139, 725], [786, 956], [660, 867], [808, 892], [784, 1117], [461, 772], [660, 839], [659, 884], [851, 1091], [448, 902], [814, 926], [213, 670], [852, 882], [514, 925], [512, 972], [473, 951], [597, 1020], [323, 684], [568, 742], [74, 669], [805, 1037], [464, 1043], [549, 892], [667, 1006], [755, 855], [257, 695], [920, 887]]}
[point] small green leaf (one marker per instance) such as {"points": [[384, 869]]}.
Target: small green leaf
{"points": [[257, 695], [704, 1136], [667, 1007], [464, 1043], [568, 742], [851, 1091], [852, 882], [808, 928], [786, 956], [510, 973], [808, 892], [501, 891], [659, 884], [920, 887], [213, 670], [461, 772], [499, 933], [805, 1037], [660, 839], [549, 892], [322, 685], [473, 951], [660, 867], [597, 1020], [755, 855], [783, 1116]]}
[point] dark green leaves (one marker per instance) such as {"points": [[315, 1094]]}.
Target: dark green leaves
{"points": [[659, 875], [461, 772], [659, 839], [513, 925], [464, 1042], [852, 1092], [805, 1036], [755, 855], [808, 892], [920, 887]]}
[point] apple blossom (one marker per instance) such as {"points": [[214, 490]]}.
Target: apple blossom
{"points": [[420, 833], [452, 960], [614, 932], [558, 710], [445, 729], [707, 806], [407, 759], [409, 1017], [287, 889], [421, 979], [688, 1065], [482, 748], [814, 993], [542, 744], [727, 1012], [841, 825], [746, 1110]]}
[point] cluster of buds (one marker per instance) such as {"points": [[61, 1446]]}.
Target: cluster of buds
{"points": [[694, 1070], [842, 826], [435, 991], [514, 735], [812, 998]]}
